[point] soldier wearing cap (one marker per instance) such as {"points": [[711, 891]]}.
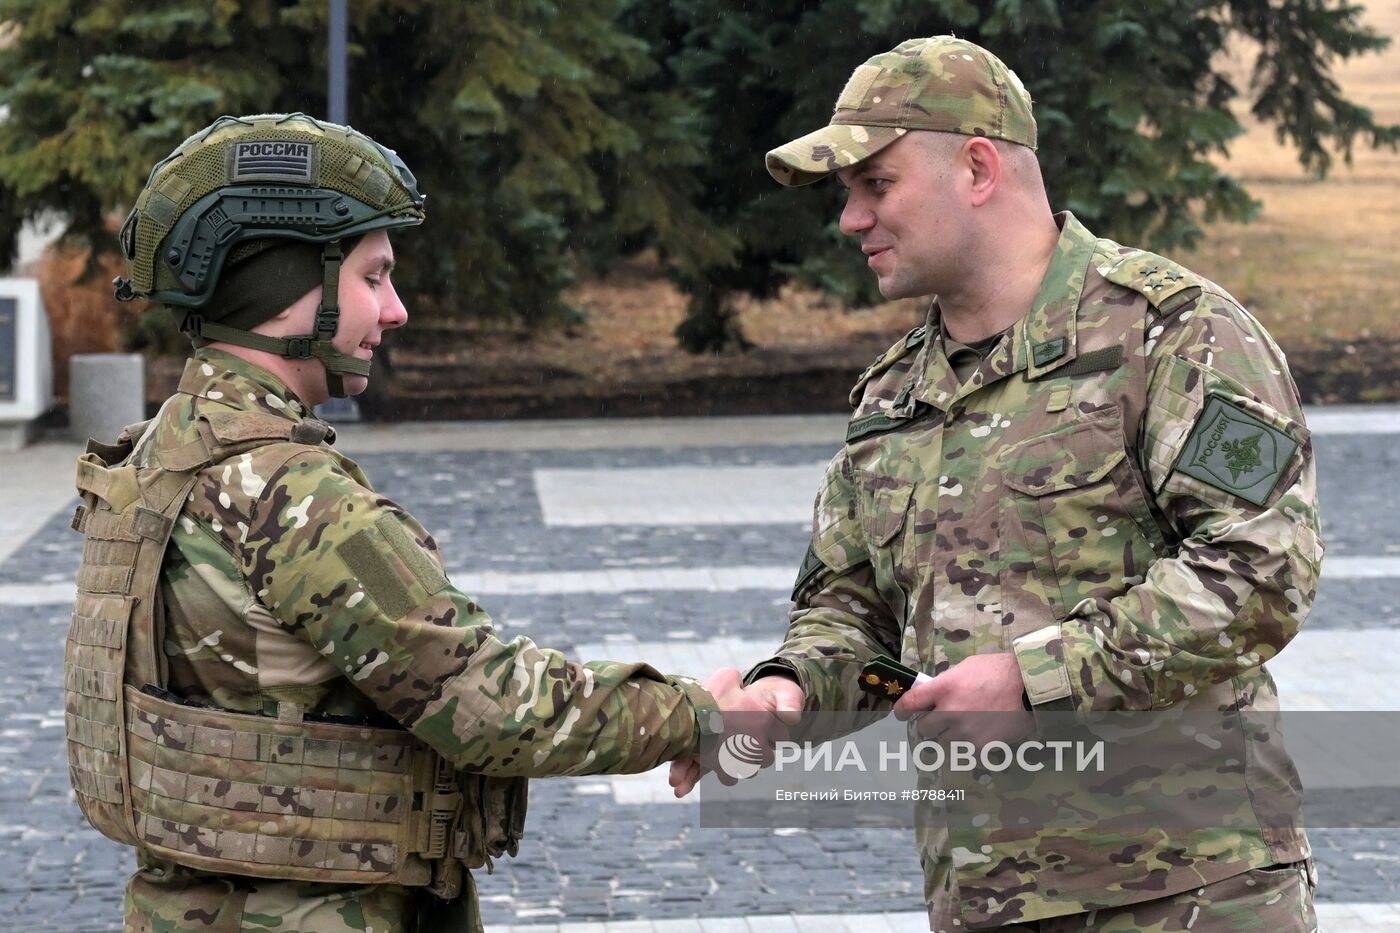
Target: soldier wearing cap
{"points": [[272, 689], [1083, 484]]}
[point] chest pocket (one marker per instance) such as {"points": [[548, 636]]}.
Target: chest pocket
{"points": [[1076, 521]]}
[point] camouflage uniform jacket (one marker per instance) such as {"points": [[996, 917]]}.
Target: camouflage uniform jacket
{"points": [[289, 580], [1045, 507]]}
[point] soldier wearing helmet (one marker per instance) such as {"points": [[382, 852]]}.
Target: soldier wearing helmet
{"points": [[225, 225], [272, 689]]}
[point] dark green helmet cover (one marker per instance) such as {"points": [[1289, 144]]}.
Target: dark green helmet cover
{"points": [[267, 176]]}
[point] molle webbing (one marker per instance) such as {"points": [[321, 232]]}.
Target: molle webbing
{"points": [[231, 792], [113, 637], [307, 800]]}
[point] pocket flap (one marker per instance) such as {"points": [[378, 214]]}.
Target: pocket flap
{"points": [[883, 507], [1079, 455]]}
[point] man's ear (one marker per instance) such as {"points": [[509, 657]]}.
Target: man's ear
{"points": [[983, 162]]}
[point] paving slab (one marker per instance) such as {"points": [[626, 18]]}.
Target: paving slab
{"points": [[690, 594]]}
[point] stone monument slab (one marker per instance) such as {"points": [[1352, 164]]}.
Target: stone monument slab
{"points": [[26, 370]]}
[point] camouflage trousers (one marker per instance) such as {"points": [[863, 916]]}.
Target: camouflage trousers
{"points": [[1278, 899], [166, 898]]}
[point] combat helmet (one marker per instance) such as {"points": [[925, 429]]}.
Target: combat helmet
{"points": [[242, 181]]}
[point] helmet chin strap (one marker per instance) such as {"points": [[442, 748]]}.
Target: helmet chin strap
{"points": [[328, 321], [319, 344]]}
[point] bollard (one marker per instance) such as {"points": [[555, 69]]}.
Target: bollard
{"points": [[106, 392]]}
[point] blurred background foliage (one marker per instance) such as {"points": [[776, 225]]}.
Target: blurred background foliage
{"points": [[556, 137]]}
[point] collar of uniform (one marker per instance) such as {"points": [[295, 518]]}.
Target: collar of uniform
{"points": [[230, 380], [935, 381], [1046, 339], [1042, 341], [939, 385]]}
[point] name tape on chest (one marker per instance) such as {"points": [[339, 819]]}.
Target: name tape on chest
{"points": [[1236, 451]]}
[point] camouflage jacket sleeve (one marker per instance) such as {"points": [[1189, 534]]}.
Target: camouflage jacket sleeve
{"points": [[1229, 463], [839, 621], [357, 577]]}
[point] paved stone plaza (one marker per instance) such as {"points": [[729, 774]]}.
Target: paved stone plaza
{"points": [[675, 542]]}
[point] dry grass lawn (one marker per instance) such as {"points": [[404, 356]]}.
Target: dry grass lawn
{"points": [[1320, 261]]}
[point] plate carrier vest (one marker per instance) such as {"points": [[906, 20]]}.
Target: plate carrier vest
{"points": [[286, 797]]}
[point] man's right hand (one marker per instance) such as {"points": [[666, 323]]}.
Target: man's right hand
{"points": [[778, 696]]}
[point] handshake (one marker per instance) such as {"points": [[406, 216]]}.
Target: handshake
{"points": [[770, 704], [983, 683]]}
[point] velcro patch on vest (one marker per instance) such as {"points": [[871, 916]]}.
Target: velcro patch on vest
{"points": [[1236, 451], [274, 160]]}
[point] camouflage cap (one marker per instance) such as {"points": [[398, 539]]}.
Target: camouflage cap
{"points": [[940, 83]]}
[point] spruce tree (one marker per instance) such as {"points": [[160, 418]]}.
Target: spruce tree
{"points": [[1132, 104], [554, 133], [515, 115]]}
